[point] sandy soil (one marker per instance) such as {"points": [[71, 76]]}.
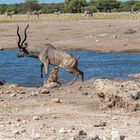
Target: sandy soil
{"points": [[93, 106], [60, 113], [100, 35]]}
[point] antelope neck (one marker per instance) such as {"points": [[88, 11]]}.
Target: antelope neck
{"points": [[33, 53]]}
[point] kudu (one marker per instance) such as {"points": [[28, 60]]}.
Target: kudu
{"points": [[48, 54]]}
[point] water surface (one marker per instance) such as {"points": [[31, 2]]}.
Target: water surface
{"points": [[25, 71]]}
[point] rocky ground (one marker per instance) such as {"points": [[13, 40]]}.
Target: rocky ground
{"points": [[93, 110]]}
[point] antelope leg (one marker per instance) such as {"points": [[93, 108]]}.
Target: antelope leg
{"points": [[81, 74], [75, 78], [46, 64], [74, 71], [41, 69]]}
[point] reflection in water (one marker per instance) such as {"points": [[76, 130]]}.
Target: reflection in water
{"points": [[25, 71]]}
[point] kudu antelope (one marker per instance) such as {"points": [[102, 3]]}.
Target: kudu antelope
{"points": [[48, 54]]}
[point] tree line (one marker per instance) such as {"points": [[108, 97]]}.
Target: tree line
{"points": [[72, 6]]}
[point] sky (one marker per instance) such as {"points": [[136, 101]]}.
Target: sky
{"points": [[40, 1]]}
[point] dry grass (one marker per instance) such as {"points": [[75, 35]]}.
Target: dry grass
{"points": [[66, 17]]}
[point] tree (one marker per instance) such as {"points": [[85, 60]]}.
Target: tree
{"points": [[31, 5], [75, 6], [106, 5]]}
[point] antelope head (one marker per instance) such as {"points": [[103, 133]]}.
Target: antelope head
{"points": [[22, 45]]}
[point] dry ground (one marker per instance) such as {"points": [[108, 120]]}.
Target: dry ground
{"points": [[29, 113], [25, 114], [88, 33]]}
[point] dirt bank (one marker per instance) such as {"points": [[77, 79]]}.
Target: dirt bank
{"points": [[107, 35]]}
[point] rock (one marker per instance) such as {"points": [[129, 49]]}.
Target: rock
{"points": [[108, 25], [124, 45], [17, 124], [136, 96], [97, 40], [22, 92], [51, 85], [130, 31], [8, 122], [33, 94], [136, 76], [56, 100], [35, 118], [13, 95], [79, 87], [18, 120], [62, 130], [16, 132], [35, 136], [19, 97], [1, 49], [102, 124], [81, 135], [85, 93], [133, 107], [93, 136], [24, 122], [45, 91], [1, 91], [13, 86], [116, 135], [114, 36]]}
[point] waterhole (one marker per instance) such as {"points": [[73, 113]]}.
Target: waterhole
{"points": [[25, 71]]}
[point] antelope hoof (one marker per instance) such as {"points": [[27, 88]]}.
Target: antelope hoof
{"points": [[41, 76]]}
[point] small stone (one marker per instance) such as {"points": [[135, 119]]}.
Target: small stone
{"points": [[114, 36], [102, 124], [97, 40], [1, 91], [51, 85], [24, 130], [20, 97], [16, 132], [22, 92], [35, 118], [81, 135], [33, 94], [1, 48], [81, 132], [44, 91], [13, 95], [24, 122], [85, 93], [18, 120], [94, 137], [8, 122], [8, 92], [56, 100], [79, 87], [116, 135], [17, 124], [124, 44], [108, 25], [62, 130], [17, 109]]}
